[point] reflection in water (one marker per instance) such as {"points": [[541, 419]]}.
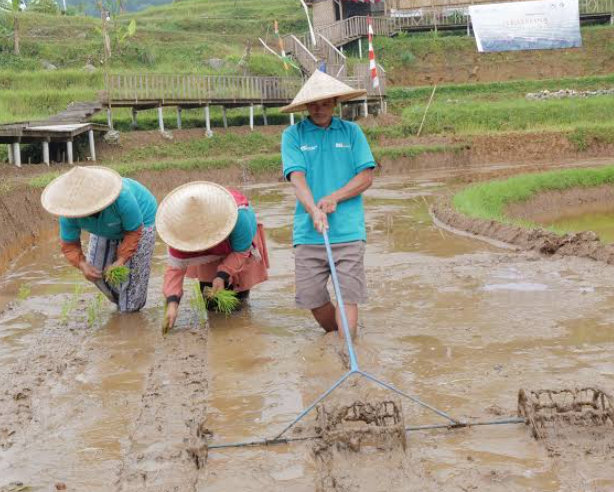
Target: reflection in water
{"points": [[456, 322]]}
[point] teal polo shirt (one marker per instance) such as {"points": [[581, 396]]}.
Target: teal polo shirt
{"points": [[330, 158], [135, 206]]}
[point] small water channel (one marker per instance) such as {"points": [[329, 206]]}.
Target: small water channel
{"points": [[458, 322]]}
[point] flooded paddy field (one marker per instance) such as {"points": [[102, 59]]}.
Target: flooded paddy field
{"points": [[91, 400]]}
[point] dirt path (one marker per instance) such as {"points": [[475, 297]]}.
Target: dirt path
{"points": [[459, 323]]}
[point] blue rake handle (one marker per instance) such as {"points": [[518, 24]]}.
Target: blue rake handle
{"points": [[344, 321]]}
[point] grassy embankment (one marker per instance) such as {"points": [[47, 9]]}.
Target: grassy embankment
{"points": [[177, 38], [497, 107], [223, 151], [418, 59], [489, 200]]}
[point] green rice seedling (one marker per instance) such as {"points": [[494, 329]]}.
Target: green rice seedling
{"points": [[223, 301], [70, 304], [24, 292], [165, 326], [199, 304], [115, 276], [93, 310]]}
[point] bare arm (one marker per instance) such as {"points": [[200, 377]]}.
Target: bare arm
{"points": [[357, 185], [305, 197]]}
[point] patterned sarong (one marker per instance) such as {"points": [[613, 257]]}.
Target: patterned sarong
{"points": [[132, 294]]}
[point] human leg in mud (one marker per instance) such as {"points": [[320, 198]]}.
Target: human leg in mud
{"points": [[312, 272]]}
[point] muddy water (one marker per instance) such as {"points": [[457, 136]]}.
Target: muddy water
{"points": [[459, 323], [600, 222]]}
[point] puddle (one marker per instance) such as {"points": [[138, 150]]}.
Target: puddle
{"points": [[600, 222], [456, 322]]}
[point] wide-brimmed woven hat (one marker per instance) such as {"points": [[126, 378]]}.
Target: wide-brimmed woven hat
{"points": [[196, 216], [319, 87], [82, 191]]}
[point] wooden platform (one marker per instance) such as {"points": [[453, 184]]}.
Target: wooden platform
{"points": [[46, 132]]}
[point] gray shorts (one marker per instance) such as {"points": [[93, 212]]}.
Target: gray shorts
{"points": [[312, 272]]}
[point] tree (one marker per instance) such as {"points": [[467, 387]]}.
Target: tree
{"points": [[10, 10]]}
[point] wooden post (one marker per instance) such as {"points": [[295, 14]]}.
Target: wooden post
{"points": [[46, 152], [251, 116], [208, 120], [224, 118], [160, 119], [179, 117], [360, 48], [292, 118], [16, 154], [11, 160], [134, 119], [69, 151], [264, 118], [109, 118], [90, 134]]}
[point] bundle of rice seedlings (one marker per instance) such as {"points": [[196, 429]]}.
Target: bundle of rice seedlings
{"points": [[198, 303], [116, 276], [165, 326], [223, 301]]}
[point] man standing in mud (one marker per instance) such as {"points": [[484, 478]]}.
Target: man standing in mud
{"points": [[330, 165]]}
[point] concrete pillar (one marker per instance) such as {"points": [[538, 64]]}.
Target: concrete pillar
{"points": [[365, 108], [134, 120], [224, 117], [208, 119], [251, 116], [69, 151], [360, 48], [46, 152], [292, 118], [16, 154], [109, 118], [90, 134], [468, 26], [160, 119], [178, 117], [11, 160], [264, 118]]}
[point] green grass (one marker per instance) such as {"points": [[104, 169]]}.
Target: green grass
{"points": [[494, 91], [489, 200], [468, 117]]}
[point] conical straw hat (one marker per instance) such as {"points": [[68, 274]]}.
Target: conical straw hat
{"points": [[196, 216], [319, 87], [82, 191]]}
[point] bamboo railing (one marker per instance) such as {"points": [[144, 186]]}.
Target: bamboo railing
{"points": [[189, 88]]}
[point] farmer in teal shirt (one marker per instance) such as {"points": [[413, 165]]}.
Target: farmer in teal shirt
{"points": [[119, 213], [330, 165]]}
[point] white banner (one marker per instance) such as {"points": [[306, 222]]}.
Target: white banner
{"points": [[536, 25]]}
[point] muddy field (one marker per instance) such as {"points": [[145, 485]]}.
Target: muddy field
{"points": [[104, 403]]}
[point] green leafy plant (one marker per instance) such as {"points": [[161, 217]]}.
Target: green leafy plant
{"points": [[199, 304], [93, 309], [115, 276], [70, 304], [165, 326], [223, 301], [24, 292]]}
